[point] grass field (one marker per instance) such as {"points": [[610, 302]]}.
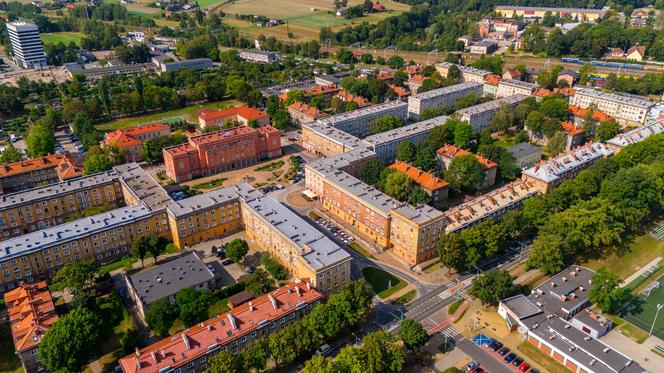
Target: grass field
{"points": [[383, 283], [630, 258], [210, 184], [642, 311], [188, 113], [62, 37], [547, 362]]}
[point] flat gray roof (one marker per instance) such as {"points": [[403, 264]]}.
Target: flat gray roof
{"points": [[333, 134], [419, 214], [76, 229], [492, 105], [318, 250], [370, 195], [637, 134], [167, 279], [406, 131], [445, 91], [518, 83], [342, 160], [209, 199], [572, 280], [625, 99], [147, 189], [521, 306], [363, 112], [465, 69], [523, 149]]}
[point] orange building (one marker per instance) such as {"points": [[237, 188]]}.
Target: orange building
{"points": [[240, 114], [31, 313], [34, 172], [131, 139], [301, 112], [447, 153], [191, 350], [579, 114], [347, 97], [435, 187], [225, 150]]}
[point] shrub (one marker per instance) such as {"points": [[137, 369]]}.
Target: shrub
{"points": [[275, 269]]}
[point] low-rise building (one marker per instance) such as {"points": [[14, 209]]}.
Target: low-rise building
{"points": [[49, 169], [326, 80], [131, 139], [212, 153], [258, 56], [436, 98], [447, 153], [579, 115], [301, 112], [318, 138], [480, 116], [535, 12], [491, 85], [31, 313], [510, 87], [628, 110], [435, 187], [548, 174], [415, 82], [233, 331], [241, 115], [525, 154], [485, 46], [566, 75], [347, 97], [635, 135], [358, 122], [165, 280], [636, 53], [468, 73], [513, 74], [193, 64]]}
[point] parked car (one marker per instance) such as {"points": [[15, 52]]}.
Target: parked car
{"points": [[517, 361], [488, 342], [472, 365], [510, 357], [524, 367], [503, 351], [478, 370], [323, 350], [496, 346], [226, 262], [534, 371]]}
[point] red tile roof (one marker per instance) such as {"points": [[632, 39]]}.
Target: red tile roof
{"points": [[421, 178], [451, 151], [307, 109], [321, 89], [417, 79], [346, 97], [221, 330], [400, 91], [413, 69], [492, 79], [121, 139], [572, 129], [639, 48], [241, 111], [597, 115], [31, 313], [34, 164], [385, 74]]}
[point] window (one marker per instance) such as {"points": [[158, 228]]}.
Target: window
{"points": [[190, 364]]}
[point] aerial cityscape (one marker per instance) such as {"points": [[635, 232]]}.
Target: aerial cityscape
{"points": [[325, 186]]}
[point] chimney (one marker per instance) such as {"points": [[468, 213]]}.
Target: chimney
{"points": [[564, 279], [136, 352], [154, 357], [273, 301], [251, 307], [185, 339], [297, 290], [308, 285], [231, 319]]}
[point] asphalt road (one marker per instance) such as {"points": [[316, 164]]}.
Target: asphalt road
{"points": [[485, 358]]}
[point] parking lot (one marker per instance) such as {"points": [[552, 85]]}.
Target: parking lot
{"points": [[495, 350], [335, 230]]}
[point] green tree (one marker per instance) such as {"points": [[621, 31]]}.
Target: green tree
{"points": [[40, 140], [140, 248], [555, 43], [533, 38], [464, 173], [293, 96], [395, 62], [490, 287], [71, 341], [319, 364], [502, 120], [606, 130], [556, 144], [260, 282], [454, 73], [10, 155], [379, 353], [490, 63], [385, 123], [370, 171], [193, 304], [553, 107], [413, 335], [506, 162], [398, 185], [418, 196], [78, 278], [605, 290], [237, 249], [282, 346], [406, 152], [225, 362], [452, 251], [160, 316], [255, 355], [463, 133]]}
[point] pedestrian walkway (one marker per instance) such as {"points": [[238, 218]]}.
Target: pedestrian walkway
{"points": [[653, 264]]}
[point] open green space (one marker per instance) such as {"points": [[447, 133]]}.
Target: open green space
{"points": [[629, 258], [433, 268], [9, 362], [406, 297], [360, 250], [62, 37], [210, 184], [122, 263], [270, 166], [187, 113], [117, 321], [208, 3], [642, 311], [532, 353], [383, 284]]}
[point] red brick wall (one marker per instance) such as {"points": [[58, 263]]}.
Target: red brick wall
{"points": [[558, 357], [571, 365]]}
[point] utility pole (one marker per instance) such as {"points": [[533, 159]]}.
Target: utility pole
{"points": [[659, 307]]}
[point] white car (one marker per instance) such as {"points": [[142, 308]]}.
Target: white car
{"points": [[323, 350]]}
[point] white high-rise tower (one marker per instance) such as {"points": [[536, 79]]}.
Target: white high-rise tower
{"points": [[26, 44]]}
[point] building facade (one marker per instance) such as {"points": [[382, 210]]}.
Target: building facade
{"points": [[358, 122], [328, 141], [436, 98], [480, 116], [628, 110], [26, 45], [240, 115], [258, 56], [468, 73], [435, 187], [510, 87], [49, 169], [225, 150], [131, 139], [414, 232], [301, 112], [533, 13]]}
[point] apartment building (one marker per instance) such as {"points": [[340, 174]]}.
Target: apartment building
{"points": [[31, 313], [548, 174], [485, 46], [533, 12], [278, 89], [490, 205], [358, 122], [628, 110], [480, 116], [315, 172], [447, 153], [321, 139], [491, 85], [499, 28], [104, 237], [348, 97], [414, 232], [220, 151], [435, 187], [436, 98], [385, 143], [301, 248], [26, 45], [525, 154], [579, 115], [510, 87], [301, 112], [165, 280], [193, 64], [468, 73], [131, 139], [49, 169], [240, 115], [634, 136], [258, 56], [555, 317], [190, 350]]}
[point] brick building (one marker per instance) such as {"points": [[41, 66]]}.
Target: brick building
{"points": [[31, 313], [435, 187], [301, 112], [240, 114], [34, 172], [225, 150], [131, 139]]}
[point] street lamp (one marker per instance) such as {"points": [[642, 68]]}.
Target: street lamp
{"points": [[659, 307]]}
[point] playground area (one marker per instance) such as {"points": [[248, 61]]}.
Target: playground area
{"points": [[642, 311]]}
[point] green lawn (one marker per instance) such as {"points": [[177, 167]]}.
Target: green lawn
{"points": [[210, 184], [208, 3], [630, 258], [62, 37], [116, 321], [270, 166], [219, 307], [406, 297], [187, 113], [360, 250], [532, 353], [383, 284], [9, 362], [121, 263], [433, 268]]}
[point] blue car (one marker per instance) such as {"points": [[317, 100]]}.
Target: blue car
{"points": [[508, 359]]}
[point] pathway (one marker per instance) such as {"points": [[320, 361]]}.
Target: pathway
{"points": [[641, 353], [642, 270]]}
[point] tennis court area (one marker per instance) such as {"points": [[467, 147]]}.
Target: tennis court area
{"points": [[641, 312]]}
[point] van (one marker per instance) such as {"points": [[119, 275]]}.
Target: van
{"points": [[323, 350]]}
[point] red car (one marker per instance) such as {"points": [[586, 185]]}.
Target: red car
{"points": [[524, 367]]}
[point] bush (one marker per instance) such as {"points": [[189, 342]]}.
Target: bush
{"points": [[454, 306], [276, 270], [230, 290]]}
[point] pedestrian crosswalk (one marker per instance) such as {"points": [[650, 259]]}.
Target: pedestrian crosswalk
{"points": [[451, 333]]}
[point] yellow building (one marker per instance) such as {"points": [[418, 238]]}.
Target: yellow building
{"points": [[531, 12], [414, 232], [328, 141]]}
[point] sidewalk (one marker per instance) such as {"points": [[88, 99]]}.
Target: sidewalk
{"points": [[642, 270], [641, 353]]}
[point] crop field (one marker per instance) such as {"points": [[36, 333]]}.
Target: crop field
{"points": [[64, 37]]}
